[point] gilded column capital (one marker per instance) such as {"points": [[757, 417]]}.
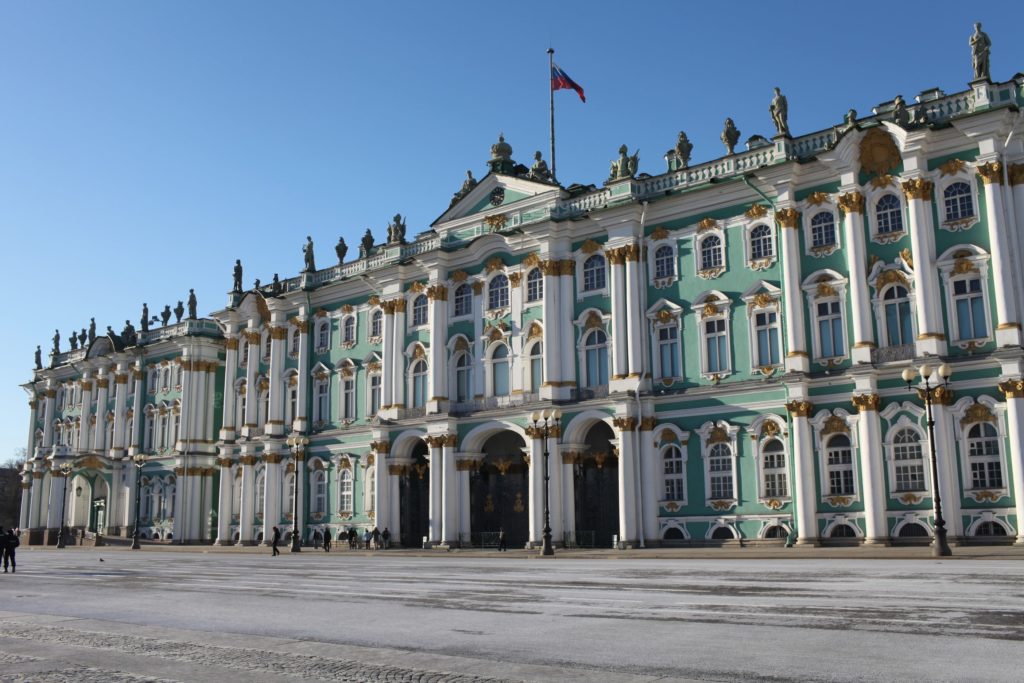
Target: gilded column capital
{"points": [[800, 408], [380, 446], [567, 267], [247, 460], [648, 424], [991, 173], [866, 402], [1012, 388], [279, 333], [787, 218], [625, 424], [437, 293], [852, 202], [941, 396], [224, 462], [272, 458], [231, 344], [1016, 173], [918, 188]]}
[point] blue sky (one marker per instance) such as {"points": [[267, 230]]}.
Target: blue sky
{"points": [[146, 145]]}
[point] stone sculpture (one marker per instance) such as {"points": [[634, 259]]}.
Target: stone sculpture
{"points": [[341, 249], [540, 170], [165, 315], [238, 276], [179, 311], [82, 336], [145, 317], [467, 186], [366, 244], [625, 166], [92, 329], [396, 230], [779, 109], [193, 303], [39, 358], [900, 115], [307, 256], [74, 342], [981, 46], [682, 149], [730, 136]]}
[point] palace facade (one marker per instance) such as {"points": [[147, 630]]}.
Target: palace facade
{"points": [[725, 342]]}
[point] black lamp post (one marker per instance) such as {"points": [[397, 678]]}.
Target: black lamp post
{"points": [[940, 548], [65, 470], [546, 424], [139, 459], [298, 445]]}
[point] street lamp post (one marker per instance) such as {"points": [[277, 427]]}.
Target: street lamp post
{"points": [[139, 459], [940, 548], [297, 444], [546, 424], [65, 469]]}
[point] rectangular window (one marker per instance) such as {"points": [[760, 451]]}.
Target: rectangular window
{"points": [[668, 347], [766, 326], [374, 395], [970, 309], [840, 475], [322, 402], [830, 329], [717, 346], [349, 399]]}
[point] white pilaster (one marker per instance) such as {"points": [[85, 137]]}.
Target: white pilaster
{"points": [[26, 500], [626, 432], [803, 473], [224, 498], [247, 509], [85, 427], [121, 379], [552, 330], [278, 390], [437, 316], [567, 336], [652, 481], [99, 435], [535, 473], [872, 461], [635, 302], [398, 357], [436, 488], [620, 364], [271, 492], [797, 358], [229, 430], [931, 337], [1014, 392], [252, 392], [949, 487], [49, 414], [450, 534], [852, 204], [1008, 329]]}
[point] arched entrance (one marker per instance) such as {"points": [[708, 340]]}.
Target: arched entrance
{"points": [[499, 492], [414, 498], [596, 482]]}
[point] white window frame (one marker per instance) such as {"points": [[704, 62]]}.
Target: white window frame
{"points": [[533, 349], [706, 432], [370, 490], [527, 301], [950, 266], [961, 429], [370, 390], [763, 262], [349, 331], [880, 284], [763, 470], [760, 438], [665, 239], [968, 175], [820, 421], [489, 369], [318, 496], [346, 491], [814, 293], [455, 289], [808, 211], [322, 334], [413, 300], [582, 347], [873, 198], [411, 382], [754, 294], [378, 314], [581, 260], [890, 447], [699, 239], [681, 475], [321, 397], [724, 305], [501, 306]]}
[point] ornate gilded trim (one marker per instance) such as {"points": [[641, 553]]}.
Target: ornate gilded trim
{"points": [[866, 402], [991, 173], [799, 408], [1012, 388], [787, 218], [918, 188], [851, 202]]}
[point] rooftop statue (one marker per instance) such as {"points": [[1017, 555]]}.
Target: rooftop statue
{"points": [[237, 287], [56, 341], [981, 46], [92, 329], [192, 304], [74, 342], [276, 285], [900, 115], [145, 317], [682, 149], [366, 244], [165, 315], [396, 230], [850, 120], [256, 285], [467, 186], [501, 157], [730, 136], [625, 166], [540, 170], [307, 254], [39, 358], [179, 311], [341, 250], [81, 337], [779, 110], [128, 333]]}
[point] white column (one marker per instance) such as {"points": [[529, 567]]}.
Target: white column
{"points": [[138, 416], [300, 488], [568, 459], [115, 498], [616, 263], [301, 421], [1015, 199], [451, 499], [229, 429], [38, 498], [208, 533], [247, 510], [535, 472], [463, 469], [398, 356], [119, 444], [797, 358], [180, 494], [26, 501], [852, 204], [1008, 329], [387, 373], [252, 393], [945, 449], [54, 505], [552, 330], [1013, 390], [278, 390], [652, 492], [931, 337], [49, 405], [437, 315], [271, 494], [626, 427], [803, 473], [634, 304], [84, 427], [872, 464], [435, 444], [394, 500], [224, 498], [381, 499], [100, 433], [566, 335]]}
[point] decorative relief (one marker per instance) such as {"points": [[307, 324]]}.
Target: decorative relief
{"points": [[852, 202], [787, 218], [818, 198], [839, 501], [593, 321], [531, 260], [710, 273], [660, 233], [800, 408], [535, 331], [494, 264], [1011, 388], [764, 300], [882, 181], [760, 264], [769, 429], [417, 287], [709, 310], [951, 167], [825, 289], [721, 504], [910, 499], [773, 503], [497, 222], [866, 402], [625, 424], [879, 153], [918, 188], [590, 247], [459, 276], [437, 293], [718, 435], [515, 278], [964, 265], [566, 267], [478, 287], [991, 173], [706, 224], [887, 277], [1016, 173], [756, 211], [986, 496], [380, 446]]}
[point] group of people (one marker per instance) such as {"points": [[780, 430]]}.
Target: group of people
{"points": [[8, 543], [374, 539]]}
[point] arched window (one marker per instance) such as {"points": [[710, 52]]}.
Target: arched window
{"points": [[664, 262], [898, 316], [839, 465], [675, 477], [711, 252], [969, 305], [345, 491], [463, 378], [497, 292], [773, 470], [240, 400], [720, 471], [60, 398], [990, 529], [889, 215], [370, 490], [348, 396], [323, 335], [418, 374], [776, 531], [147, 441], [376, 322], [145, 502], [595, 351], [722, 533], [766, 337], [499, 371], [908, 461], [761, 246], [463, 300], [534, 285], [419, 310], [260, 489], [349, 329], [262, 408], [536, 356], [594, 273], [843, 531], [823, 229], [293, 346], [983, 455], [318, 501], [958, 202]]}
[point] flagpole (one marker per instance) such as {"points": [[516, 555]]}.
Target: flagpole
{"points": [[551, 97]]}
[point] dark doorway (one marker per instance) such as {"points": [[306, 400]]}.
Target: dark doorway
{"points": [[499, 493], [414, 498], [596, 479]]}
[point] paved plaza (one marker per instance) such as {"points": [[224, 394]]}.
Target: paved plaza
{"points": [[110, 614]]}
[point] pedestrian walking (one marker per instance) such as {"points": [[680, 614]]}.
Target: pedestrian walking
{"points": [[385, 536], [327, 540], [273, 544], [502, 540], [9, 543], [376, 538], [353, 538], [3, 547], [367, 537]]}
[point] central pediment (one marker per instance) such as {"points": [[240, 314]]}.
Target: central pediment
{"points": [[495, 192]]}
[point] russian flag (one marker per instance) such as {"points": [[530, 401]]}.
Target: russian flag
{"points": [[561, 81]]}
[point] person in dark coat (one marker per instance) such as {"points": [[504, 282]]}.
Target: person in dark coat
{"points": [[353, 538], [376, 538], [8, 544], [385, 536], [327, 540], [502, 540], [275, 541]]}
